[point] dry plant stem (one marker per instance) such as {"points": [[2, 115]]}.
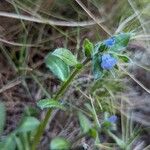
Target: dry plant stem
{"points": [[41, 20], [132, 77], [93, 17], [60, 92]]}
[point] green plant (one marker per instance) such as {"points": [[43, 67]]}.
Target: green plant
{"points": [[61, 61], [94, 74], [21, 138], [105, 58]]}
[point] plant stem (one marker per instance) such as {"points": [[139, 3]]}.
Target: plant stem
{"points": [[60, 92]]}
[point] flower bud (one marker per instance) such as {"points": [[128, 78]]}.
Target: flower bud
{"points": [[107, 61], [110, 42]]}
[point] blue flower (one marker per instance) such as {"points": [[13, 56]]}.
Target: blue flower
{"points": [[112, 119], [110, 42], [108, 62]]}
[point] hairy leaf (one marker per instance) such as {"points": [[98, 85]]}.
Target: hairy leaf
{"points": [[84, 122], [50, 103], [28, 124], [123, 58], [66, 55], [57, 66], [97, 70], [60, 143], [88, 47]]}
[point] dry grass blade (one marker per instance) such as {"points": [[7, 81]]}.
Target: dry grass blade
{"points": [[17, 44], [92, 16], [136, 11], [50, 22], [10, 85], [124, 23], [132, 77], [142, 37]]}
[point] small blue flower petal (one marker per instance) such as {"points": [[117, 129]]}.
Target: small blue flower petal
{"points": [[112, 119], [110, 42], [108, 62]]}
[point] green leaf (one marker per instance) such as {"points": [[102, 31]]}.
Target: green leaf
{"points": [[19, 143], [2, 117], [57, 66], [50, 103], [93, 133], [28, 124], [8, 143], [66, 55], [60, 143], [121, 41], [85, 123], [99, 47], [97, 70], [89, 107], [124, 58], [88, 48], [107, 124]]}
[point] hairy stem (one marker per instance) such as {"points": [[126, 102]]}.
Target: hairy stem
{"points": [[60, 92]]}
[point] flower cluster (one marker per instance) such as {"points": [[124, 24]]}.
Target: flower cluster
{"points": [[105, 54], [107, 61], [110, 42]]}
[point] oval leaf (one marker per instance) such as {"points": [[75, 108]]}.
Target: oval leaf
{"points": [[60, 143], [84, 123], [93, 133], [50, 103], [57, 66], [8, 143], [88, 48], [98, 48], [28, 124], [2, 117], [124, 58], [96, 69], [66, 55]]}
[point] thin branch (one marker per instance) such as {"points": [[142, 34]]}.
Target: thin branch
{"points": [[132, 77], [17, 44], [49, 21], [10, 85], [92, 16], [124, 23]]}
